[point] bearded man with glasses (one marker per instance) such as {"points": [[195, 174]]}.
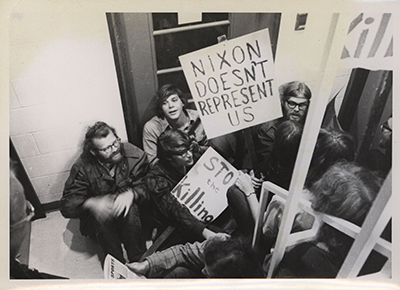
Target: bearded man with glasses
{"points": [[295, 98], [100, 192]]}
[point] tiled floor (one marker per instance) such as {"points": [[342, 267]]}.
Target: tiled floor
{"points": [[58, 248]]}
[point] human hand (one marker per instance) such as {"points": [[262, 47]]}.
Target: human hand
{"points": [[122, 203], [100, 207], [244, 183], [220, 236], [139, 268], [256, 182], [209, 234]]}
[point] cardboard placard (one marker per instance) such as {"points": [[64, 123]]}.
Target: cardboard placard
{"points": [[232, 83], [203, 189]]}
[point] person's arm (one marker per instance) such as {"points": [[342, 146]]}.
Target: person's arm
{"points": [[159, 263], [75, 193], [139, 167], [76, 198], [159, 189], [244, 183]]}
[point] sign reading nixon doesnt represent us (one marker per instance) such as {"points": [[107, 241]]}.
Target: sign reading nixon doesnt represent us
{"points": [[232, 83], [203, 189]]}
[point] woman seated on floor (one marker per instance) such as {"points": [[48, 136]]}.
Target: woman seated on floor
{"points": [[346, 191], [171, 113], [159, 208]]}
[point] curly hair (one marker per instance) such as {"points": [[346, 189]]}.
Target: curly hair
{"points": [[98, 130], [346, 191], [164, 93]]}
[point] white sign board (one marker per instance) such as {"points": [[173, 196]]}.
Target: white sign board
{"points": [[114, 269], [203, 189], [232, 83], [369, 42]]}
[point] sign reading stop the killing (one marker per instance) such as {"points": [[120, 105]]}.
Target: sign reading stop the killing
{"points": [[203, 189], [232, 83]]}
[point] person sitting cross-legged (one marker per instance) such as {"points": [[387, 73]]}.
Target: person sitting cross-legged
{"points": [[221, 256], [100, 192]]}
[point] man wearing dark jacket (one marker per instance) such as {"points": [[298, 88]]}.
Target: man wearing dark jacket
{"points": [[100, 192]]}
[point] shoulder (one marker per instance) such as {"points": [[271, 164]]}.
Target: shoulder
{"points": [[193, 114], [132, 151], [155, 123], [269, 127], [157, 180]]}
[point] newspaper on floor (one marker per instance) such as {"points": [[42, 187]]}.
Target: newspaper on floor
{"points": [[114, 269]]}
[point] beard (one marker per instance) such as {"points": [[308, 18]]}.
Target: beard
{"points": [[113, 159]]}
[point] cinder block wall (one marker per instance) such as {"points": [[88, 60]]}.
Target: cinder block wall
{"points": [[62, 79]]}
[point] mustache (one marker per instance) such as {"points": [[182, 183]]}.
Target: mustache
{"points": [[115, 153]]}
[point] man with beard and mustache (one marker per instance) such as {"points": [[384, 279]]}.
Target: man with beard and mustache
{"points": [[295, 98], [100, 192]]}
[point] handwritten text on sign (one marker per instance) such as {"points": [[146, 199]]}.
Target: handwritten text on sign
{"points": [[203, 189], [232, 83]]}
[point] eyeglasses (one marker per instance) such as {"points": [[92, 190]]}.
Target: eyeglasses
{"points": [[293, 105], [109, 148], [30, 212], [185, 152]]}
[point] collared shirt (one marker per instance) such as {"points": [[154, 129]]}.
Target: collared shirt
{"points": [[156, 126]]}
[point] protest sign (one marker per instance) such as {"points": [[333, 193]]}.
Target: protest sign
{"points": [[232, 83], [203, 189], [369, 42], [114, 269]]}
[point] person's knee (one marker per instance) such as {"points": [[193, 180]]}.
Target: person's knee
{"points": [[234, 194]]}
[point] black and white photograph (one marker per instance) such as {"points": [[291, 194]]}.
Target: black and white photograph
{"points": [[159, 144]]}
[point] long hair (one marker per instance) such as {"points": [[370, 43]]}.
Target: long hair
{"points": [[332, 146], [294, 89], [170, 142], [98, 130], [164, 93], [284, 152], [346, 191], [232, 258]]}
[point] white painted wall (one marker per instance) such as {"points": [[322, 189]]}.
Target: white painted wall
{"points": [[62, 79], [300, 53]]}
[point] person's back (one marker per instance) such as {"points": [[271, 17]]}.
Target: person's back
{"points": [[346, 191], [280, 164]]}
